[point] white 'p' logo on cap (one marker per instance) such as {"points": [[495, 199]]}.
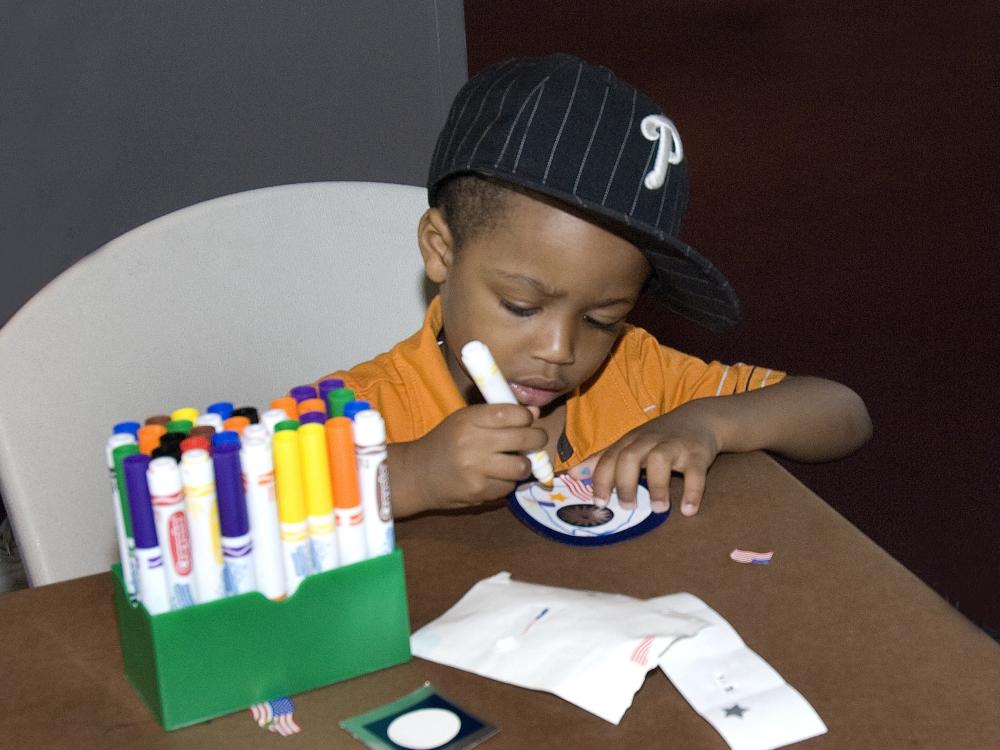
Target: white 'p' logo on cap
{"points": [[669, 151]]}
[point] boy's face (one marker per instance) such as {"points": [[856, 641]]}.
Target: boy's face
{"points": [[546, 291]]}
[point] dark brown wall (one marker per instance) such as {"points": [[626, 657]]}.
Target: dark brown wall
{"points": [[843, 159]]}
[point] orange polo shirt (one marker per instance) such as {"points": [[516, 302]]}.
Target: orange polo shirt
{"points": [[412, 388]]}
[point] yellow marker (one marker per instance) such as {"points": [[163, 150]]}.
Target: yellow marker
{"points": [[319, 495], [188, 413], [295, 547]]}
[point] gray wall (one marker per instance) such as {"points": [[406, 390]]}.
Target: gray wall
{"points": [[115, 112]]}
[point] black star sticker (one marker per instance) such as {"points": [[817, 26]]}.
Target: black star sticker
{"points": [[736, 710]]}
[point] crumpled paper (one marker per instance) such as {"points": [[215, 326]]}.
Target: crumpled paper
{"points": [[589, 648]]}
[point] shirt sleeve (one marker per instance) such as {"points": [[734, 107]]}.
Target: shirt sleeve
{"points": [[671, 378]]}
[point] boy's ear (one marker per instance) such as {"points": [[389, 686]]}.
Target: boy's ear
{"points": [[436, 245]]}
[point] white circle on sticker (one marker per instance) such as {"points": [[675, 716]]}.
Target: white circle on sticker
{"points": [[424, 729]]}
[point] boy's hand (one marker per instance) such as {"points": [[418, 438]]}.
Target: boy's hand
{"points": [[674, 442], [475, 455]]}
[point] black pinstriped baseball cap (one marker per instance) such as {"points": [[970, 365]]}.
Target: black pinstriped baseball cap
{"points": [[573, 131]]}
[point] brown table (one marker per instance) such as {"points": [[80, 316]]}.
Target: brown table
{"points": [[884, 660]]}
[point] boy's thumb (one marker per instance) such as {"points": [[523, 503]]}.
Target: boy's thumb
{"points": [[535, 411], [585, 469]]}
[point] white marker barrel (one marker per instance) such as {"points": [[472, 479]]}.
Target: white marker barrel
{"points": [[203, 523], [164, 480], [262, 509], [373, 481]]}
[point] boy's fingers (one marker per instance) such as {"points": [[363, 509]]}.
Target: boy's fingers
{"points": [[627, 469], [694, 490], [658, 481], [502, 415]]}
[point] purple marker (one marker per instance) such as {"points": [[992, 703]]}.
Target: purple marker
{"points": [[330, 384], [312, 416], [302, 392], [353, 407], [151, 577], [237, 545]]}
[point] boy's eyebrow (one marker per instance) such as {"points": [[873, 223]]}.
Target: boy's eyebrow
{"points": [[550, 291]]}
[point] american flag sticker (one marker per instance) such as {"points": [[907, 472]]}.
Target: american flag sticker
{"points": [[277, 715], [751, 558], [582, 489], [641, 653]]}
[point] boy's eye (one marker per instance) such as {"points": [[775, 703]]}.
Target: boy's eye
{"points": [[600, 325], [521, 312]]}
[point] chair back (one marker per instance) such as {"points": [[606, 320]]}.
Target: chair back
{"points": [[235, 299]]}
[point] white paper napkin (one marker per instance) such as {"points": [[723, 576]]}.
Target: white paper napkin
{"points": [[733, 689], [591, 649]]}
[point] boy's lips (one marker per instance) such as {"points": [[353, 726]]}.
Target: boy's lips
{"points": [[537, 393]]}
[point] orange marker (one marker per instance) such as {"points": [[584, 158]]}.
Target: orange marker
{"points": [[312, 404], [289, 404], [149, 437], [236, 424], [351, 540]]}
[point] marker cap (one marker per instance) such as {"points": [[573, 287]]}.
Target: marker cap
{"points": [[288, 404], [325, 386], [180, 425], [149, 437], [158, 419], [255, 432], [286, 424], [185, 414], [247, 411], [211, 419], [203, 430], [314, 417], [353, 407], [271, 417], [302, 392], [343, 462], [233, 519], [236, 423], [226, 437], [312, 404], [369, 429], [127, 427], [163, 477], [336, 400], [143, 523], [195, 442], [223, 408], [117, 439]]}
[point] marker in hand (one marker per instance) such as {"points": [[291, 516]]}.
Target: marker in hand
{"points": [[492, 384]]}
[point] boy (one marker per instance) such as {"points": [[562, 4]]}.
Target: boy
{"points": [[556, 194]]}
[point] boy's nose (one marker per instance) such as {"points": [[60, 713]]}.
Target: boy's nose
{"points": [[555, 343]]}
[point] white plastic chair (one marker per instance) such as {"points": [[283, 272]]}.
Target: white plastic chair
{"points": [[238, 298]]}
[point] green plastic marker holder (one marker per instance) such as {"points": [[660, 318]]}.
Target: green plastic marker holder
{"points": [[194, 664]]}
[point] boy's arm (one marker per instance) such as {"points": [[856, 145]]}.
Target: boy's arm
{"points": [[474, 456], [802, 418]]}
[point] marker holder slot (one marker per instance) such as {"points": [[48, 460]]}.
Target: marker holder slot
{"points": [[197, 663]]}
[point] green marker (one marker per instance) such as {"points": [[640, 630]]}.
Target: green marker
{"points": [[287, 424], [336, 399], [180, 425]]}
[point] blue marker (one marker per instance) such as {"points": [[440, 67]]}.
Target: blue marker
{"points": [[237, 545], [223, 408], [126, 428], [353, 407], [226, 437], [151, 578]]}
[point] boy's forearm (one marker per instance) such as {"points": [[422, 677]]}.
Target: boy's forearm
{"points": [[403, 482], [802, 418]]}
